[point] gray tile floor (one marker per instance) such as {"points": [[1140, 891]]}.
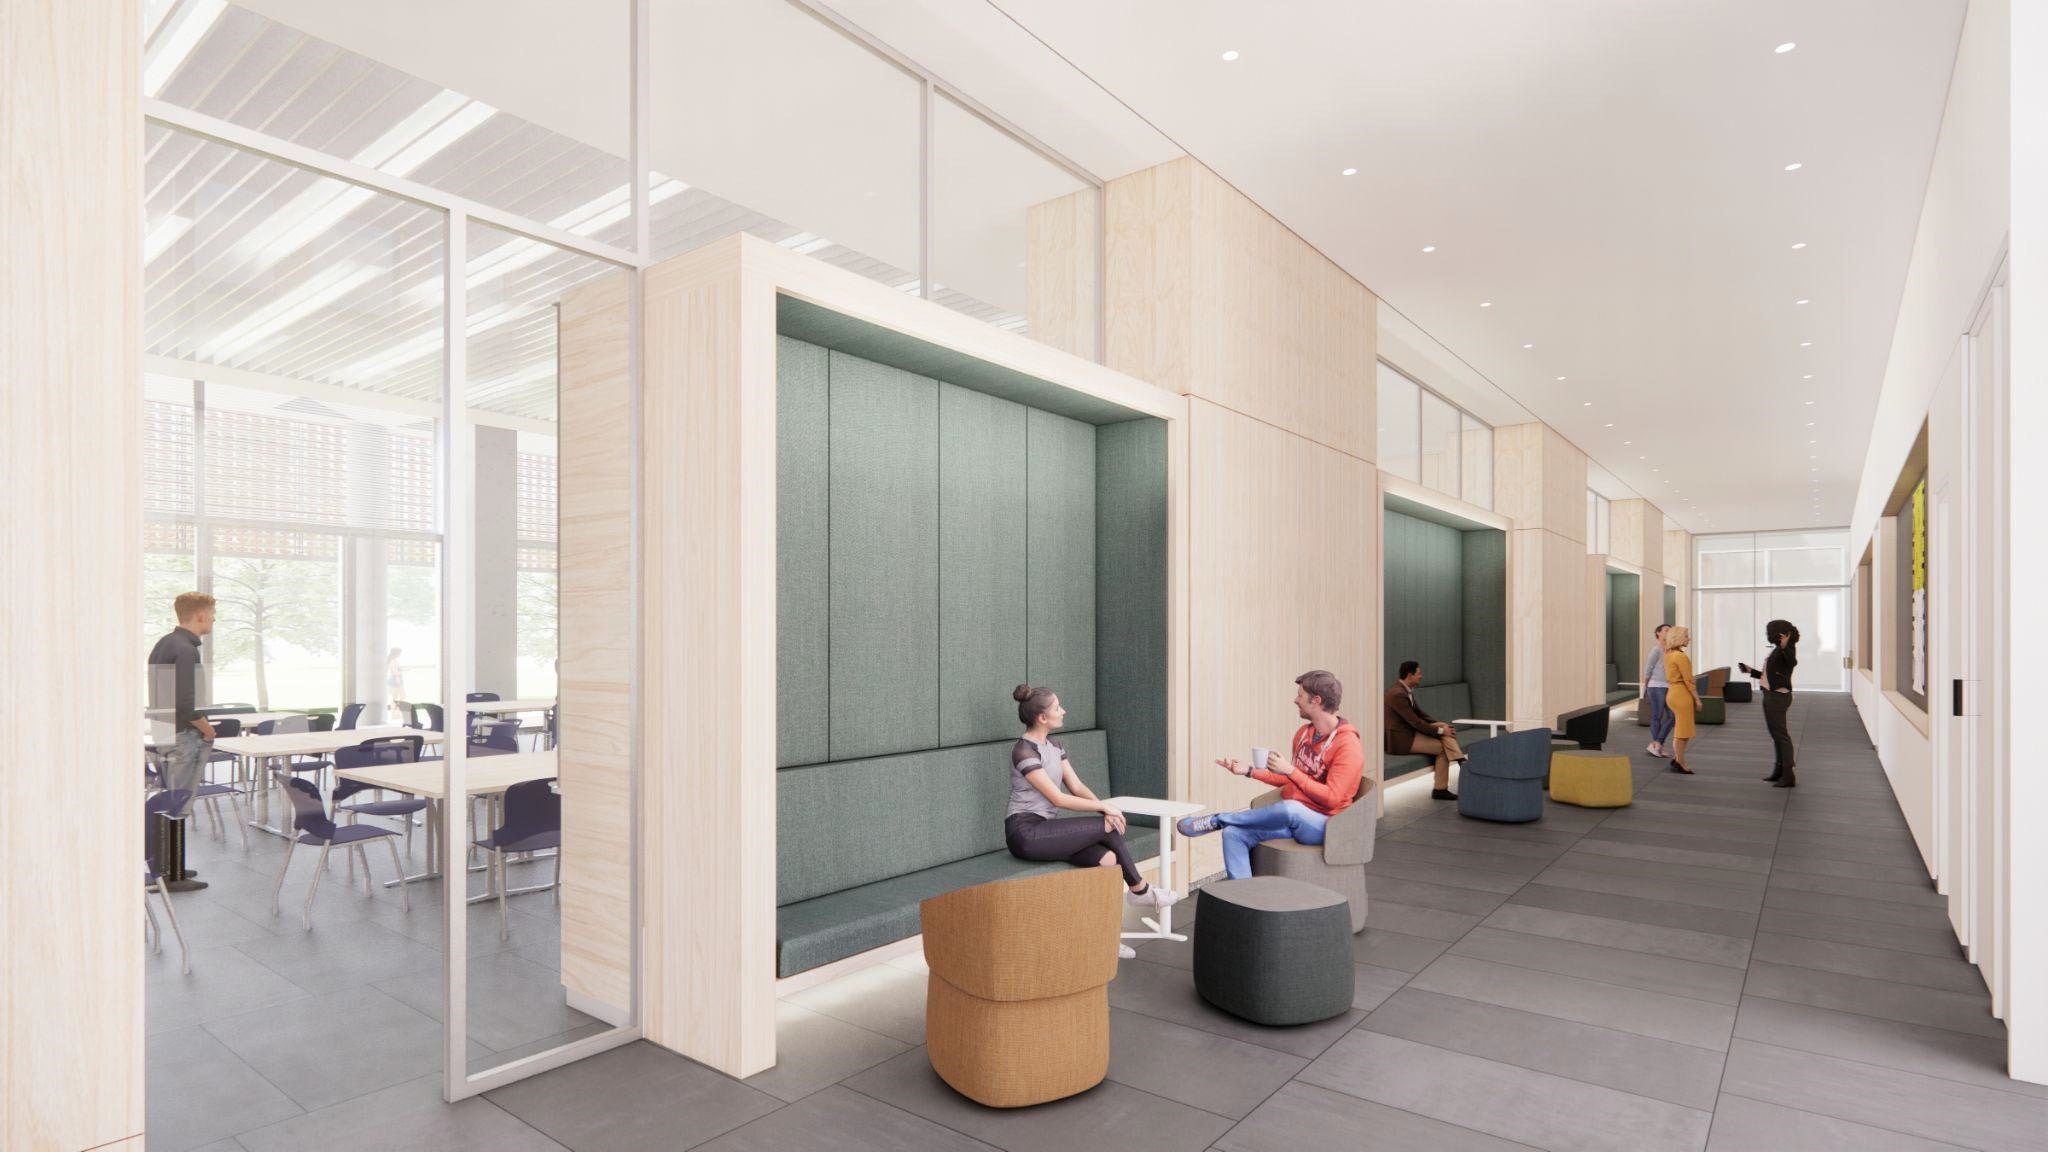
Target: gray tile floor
{"points": [[279, 1034], [1721, 966]]}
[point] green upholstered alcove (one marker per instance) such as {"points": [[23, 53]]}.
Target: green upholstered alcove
{"points": [[1624, 624], [1670, 603], [946, 530], [1444, 598]]}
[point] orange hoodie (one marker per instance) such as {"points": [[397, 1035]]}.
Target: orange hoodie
{"points": [[1329, 771]]}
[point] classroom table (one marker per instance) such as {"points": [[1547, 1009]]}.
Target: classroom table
{"points": [[521, 704], [252, 753], [487, 776]]}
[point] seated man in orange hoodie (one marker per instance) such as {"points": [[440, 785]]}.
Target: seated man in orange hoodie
{"points": [[1325, 773]]}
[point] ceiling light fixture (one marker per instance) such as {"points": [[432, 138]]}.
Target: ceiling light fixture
{"points": [[1527, 346], [1794, 166], [1798, 246], [1486, 303], [1429, 247], [1808, 376], [1351, 172], [1229, 55], [1800, 301], [1787, 46], [1583, 403], [1610, 425], [1806, 343]]}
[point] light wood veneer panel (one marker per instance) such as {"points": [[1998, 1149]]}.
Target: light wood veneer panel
{"points": [[1554, 631], [1061, 238], [595, 714], [71, 1026], [1539, 480], [1209, 295], [1282, 581]]}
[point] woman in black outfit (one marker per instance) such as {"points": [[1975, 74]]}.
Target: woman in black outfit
{"points": [[1776, 684]]}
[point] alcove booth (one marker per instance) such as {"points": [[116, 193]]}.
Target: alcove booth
{"points": [[1444, 604], [1624, 625], [864, 521]]}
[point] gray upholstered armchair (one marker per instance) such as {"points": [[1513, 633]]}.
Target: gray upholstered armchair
{"points": [[1338, 863]]}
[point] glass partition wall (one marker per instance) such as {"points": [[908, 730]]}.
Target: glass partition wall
{"points": [[361, 221], [1744, 580]]}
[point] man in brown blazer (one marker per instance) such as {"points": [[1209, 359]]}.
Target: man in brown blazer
{"points": [[1410, 730]]}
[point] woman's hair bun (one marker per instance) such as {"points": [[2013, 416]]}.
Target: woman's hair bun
{"points": [[1022, 693]]}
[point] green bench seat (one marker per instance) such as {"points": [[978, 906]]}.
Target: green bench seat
{"points": [[1618, 690], [859, 843]]}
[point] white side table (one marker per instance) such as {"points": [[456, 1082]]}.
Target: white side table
{"points": [[1493, 727], [1168, 811]]}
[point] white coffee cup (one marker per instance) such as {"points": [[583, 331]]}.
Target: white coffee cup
{"points": [[1260, 756]]}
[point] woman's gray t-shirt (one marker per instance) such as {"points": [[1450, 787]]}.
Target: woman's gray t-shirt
{"points": [[1026, 757]]}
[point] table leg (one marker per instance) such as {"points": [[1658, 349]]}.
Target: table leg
{"points": [[261, 783], [433, 871]]}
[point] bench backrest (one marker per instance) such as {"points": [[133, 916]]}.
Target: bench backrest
{"points": [[1613, 678], [1447, 702], [852, 822]]}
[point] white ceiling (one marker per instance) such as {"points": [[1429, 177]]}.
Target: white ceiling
{"points": [[1610, 175]]}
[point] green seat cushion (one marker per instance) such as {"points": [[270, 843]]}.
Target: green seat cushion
{"points": [[1713, 710], [853, 822], [817, 931]]}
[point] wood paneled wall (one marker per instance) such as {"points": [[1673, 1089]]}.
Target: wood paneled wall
{"points": [[1283, 581], [1210, 296], [1636, 537], [1061, 240], [1557, 634], [1678, 568], [596, 694], [707, 782], [71, 1026]]}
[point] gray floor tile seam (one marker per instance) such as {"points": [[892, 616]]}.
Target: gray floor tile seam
{"points": [[1837, 1055], [1790, 930], [229, 1049], [1233, 1121], [1862, 1122], [258, 1073], [1847, 1011], [1296, 1079], [1453, 951]]}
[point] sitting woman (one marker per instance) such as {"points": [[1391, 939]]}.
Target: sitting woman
{"points": [[1043, 781]]}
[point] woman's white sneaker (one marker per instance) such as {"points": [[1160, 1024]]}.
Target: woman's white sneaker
{"points": [[1126, 952], [1153, 897]]}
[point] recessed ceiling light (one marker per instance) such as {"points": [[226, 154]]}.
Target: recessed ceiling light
{"points": [[1486, 303], [1582, 403], [1798, 246], [1794, 166], [1642, 457], [1801, 301], [1232, 54], [1806, 343], [1627, 442], [1787, 46], [1610, 425], [1808, 376], [1528, 346], [1351, 171], [1429, 247], [1813, 441], [1809, 403]]}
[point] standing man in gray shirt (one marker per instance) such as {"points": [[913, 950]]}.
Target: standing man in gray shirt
{"points": [[174, 695], [1655, 690]]}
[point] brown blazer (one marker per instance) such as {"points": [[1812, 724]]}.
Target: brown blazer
{"points": [[1405, 721]]}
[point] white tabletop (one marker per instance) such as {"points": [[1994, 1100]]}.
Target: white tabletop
{"points": [[483, 775], [317, 743], [1152, 806], [523, 704]]}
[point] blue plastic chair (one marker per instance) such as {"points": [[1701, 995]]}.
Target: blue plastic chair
{"points": [[495, 738], [350, 713], [310, 820], [532, 821], [1503, 778], [165, 802], [370, 753]]}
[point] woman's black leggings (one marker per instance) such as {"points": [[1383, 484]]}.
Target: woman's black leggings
{"points": [[1078, 840], [1776, 707]]}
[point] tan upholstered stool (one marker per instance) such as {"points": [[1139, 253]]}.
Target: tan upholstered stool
{"points": [[1591, 779]]}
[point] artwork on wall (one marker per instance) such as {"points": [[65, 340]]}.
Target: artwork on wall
{"points": [[1920, 588]]}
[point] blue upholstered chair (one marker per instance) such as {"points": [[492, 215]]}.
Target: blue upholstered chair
{"points": [[1503, 779]]}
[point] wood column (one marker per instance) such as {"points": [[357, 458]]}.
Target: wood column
{"points": [[70, 565], [1539, 482]]}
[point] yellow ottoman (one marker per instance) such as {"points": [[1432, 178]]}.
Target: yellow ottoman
{"points": [[1590, 779]]}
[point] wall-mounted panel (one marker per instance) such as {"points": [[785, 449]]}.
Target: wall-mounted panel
{"points": [[983, 556], [885, 559], [803, 483], [1424, 615], [1060, 275], [1060, 562], [1486, 621]]}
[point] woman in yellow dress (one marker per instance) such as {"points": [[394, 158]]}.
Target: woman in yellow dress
{"points": [[1684, 697]]}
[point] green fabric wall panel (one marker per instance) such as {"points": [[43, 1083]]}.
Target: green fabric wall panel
{"points": [[1130, 604], [854, 822], [802, 587], [885, 559], [1485, 612], [1424, 582], [981, 564], [1624, 621], [1060, 562], [1670, 606]]}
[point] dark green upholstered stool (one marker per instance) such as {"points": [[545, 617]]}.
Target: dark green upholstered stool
{"points": [[1273, 951]]}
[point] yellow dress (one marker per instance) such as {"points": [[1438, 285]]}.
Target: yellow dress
{"points": [[1681, 700]]}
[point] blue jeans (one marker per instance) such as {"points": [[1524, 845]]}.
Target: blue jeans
{"points": [[184, 766], [1661, 718], [1288, 819]]}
